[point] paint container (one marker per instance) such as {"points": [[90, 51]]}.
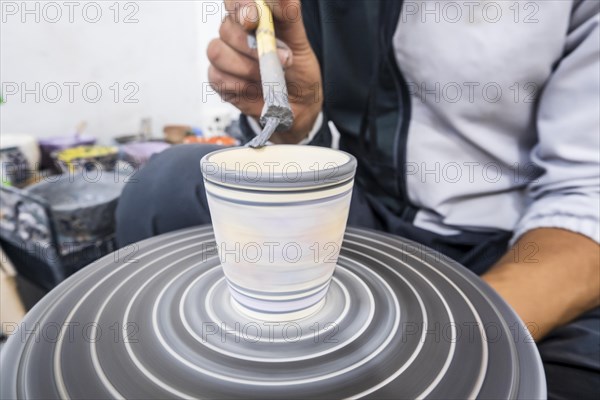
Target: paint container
{"points": [[279, 214], [218, 140], [139, 153], [51, 145], [87, 158]]}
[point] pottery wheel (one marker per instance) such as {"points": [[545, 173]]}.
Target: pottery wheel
{"points": [[156, 321]]}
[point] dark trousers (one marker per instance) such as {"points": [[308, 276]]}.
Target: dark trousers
{"points": [[168, 194]]}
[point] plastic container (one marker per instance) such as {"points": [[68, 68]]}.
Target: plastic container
{"points": [[87, 158], [54, 144]]}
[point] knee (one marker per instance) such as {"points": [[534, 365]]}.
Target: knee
{"points": [[186, 156], [165, 195], [175, 168]]}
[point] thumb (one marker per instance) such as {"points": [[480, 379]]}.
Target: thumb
{"points": [[287, 18], [247, 15]]}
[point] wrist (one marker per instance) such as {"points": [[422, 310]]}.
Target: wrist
{"points": [[303, 126]]}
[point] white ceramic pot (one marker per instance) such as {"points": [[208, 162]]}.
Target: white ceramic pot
{"points": [[279, 214]]}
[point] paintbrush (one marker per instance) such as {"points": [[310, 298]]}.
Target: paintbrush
{"points": [[276, 114]]}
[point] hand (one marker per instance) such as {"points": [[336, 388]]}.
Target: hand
{"points": [[234, 71], [549, 277]]}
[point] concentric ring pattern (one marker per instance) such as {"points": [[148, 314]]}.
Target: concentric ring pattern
{"points": [[399, 321]]}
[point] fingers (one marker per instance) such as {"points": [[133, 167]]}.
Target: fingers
{"points": [[235, 72], [244, 12], [248, 16], [227, 59], [247, 13], [287, 16], [243, 94], [236, 37]]}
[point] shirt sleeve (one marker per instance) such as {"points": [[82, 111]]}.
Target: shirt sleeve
{"points": [[567, 193]]}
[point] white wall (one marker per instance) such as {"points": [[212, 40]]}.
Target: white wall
{"points": [[162, 56]]}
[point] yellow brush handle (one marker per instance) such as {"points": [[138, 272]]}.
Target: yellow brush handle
{"points": [[265, 33], [277, 115]]}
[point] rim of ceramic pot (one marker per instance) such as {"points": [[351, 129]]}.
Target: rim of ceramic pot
{"points": [[335, 167]]}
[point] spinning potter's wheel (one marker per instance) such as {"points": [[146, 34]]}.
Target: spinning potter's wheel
{"points": [[156, 321]]}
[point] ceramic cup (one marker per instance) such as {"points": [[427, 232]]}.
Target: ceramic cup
{"points": [[279, 214]]}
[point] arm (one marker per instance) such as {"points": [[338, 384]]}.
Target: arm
{"points": [[561, 278], [549, 277]]}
